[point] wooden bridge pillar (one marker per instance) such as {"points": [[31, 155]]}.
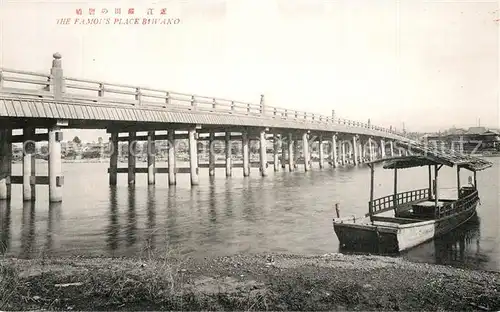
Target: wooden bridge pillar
{"points": [[151, 150], [291, 163], [370, 149], [334, 151], [228, 154], [5, 163], [391, 144], [321, 153], [305, 151], [246, 154], [113, 160], [211, 154], [342, 152], [263, 154], [355, 151], [29, 167], [382, 148], [283, 152], [171, 158], [276, 143], [56, 180], [296, 154], [193, 156], [132, 151]]}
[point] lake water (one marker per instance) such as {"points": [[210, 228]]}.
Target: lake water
{"points": [[282, 213]]}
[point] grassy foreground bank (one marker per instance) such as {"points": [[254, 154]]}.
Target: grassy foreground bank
{"points": [[255, 282]]}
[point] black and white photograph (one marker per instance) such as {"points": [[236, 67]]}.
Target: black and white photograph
{"points": [[250, 155]]}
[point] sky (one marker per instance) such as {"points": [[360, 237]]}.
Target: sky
{"points": [[428, 64]]}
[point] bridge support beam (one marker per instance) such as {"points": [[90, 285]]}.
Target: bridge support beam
{"points": [[305, 151], [334, 151], [228, 154], [113, 159], [296, 154], [291, 163], [276, 143], [382, 148], [5, 163], [56, 179], [370, 149], [132, 148], [246, 154], [171, 158], [211, 154], [343, 152], [263, 154], [151, 150], [29, 166], [391, 145], [193, 156], [283, 152], [355, 151], [321, 153]]}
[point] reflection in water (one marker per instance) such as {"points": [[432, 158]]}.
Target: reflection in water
{"points": [[460, 247], [28, 229], [53, 226], [4, 226], [131, 217], [151, 219], [113, 230], [286, 212]]}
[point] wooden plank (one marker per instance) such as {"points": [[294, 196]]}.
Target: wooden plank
{"points": [[10, 109], [73, 109], [3, 108], [32, 108], [25, 105], [39, 137]]}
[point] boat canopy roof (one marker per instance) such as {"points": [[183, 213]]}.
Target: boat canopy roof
{"points": [[424, 155]]}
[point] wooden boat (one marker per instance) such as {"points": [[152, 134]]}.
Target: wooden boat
{"points": [[403, 220]]}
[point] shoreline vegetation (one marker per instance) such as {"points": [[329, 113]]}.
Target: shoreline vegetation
{"points": [[244, 282]]}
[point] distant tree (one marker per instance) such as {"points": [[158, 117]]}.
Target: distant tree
{"points": [[77, 140]]}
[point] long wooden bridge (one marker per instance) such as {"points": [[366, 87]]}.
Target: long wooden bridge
{"points": [[51, 101]]}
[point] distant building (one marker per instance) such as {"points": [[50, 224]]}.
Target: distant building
{"points": [[475, 138]]}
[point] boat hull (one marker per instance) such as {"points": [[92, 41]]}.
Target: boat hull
{"points": [[393, 238]]}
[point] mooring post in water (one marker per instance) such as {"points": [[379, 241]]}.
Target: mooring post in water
{"points": [[337, 210]]}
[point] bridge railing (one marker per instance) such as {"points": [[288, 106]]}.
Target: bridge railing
{"points": [[35, 84]]}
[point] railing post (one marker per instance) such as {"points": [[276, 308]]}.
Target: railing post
{"points": [[248, 108], [193, 102], [138, 95], [262, 104], [214, 103], [57, 78], [101, 90], [232, 105], [167, 98]]}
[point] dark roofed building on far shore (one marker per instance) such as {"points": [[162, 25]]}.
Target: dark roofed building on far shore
{"points": [[475, 139]]}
